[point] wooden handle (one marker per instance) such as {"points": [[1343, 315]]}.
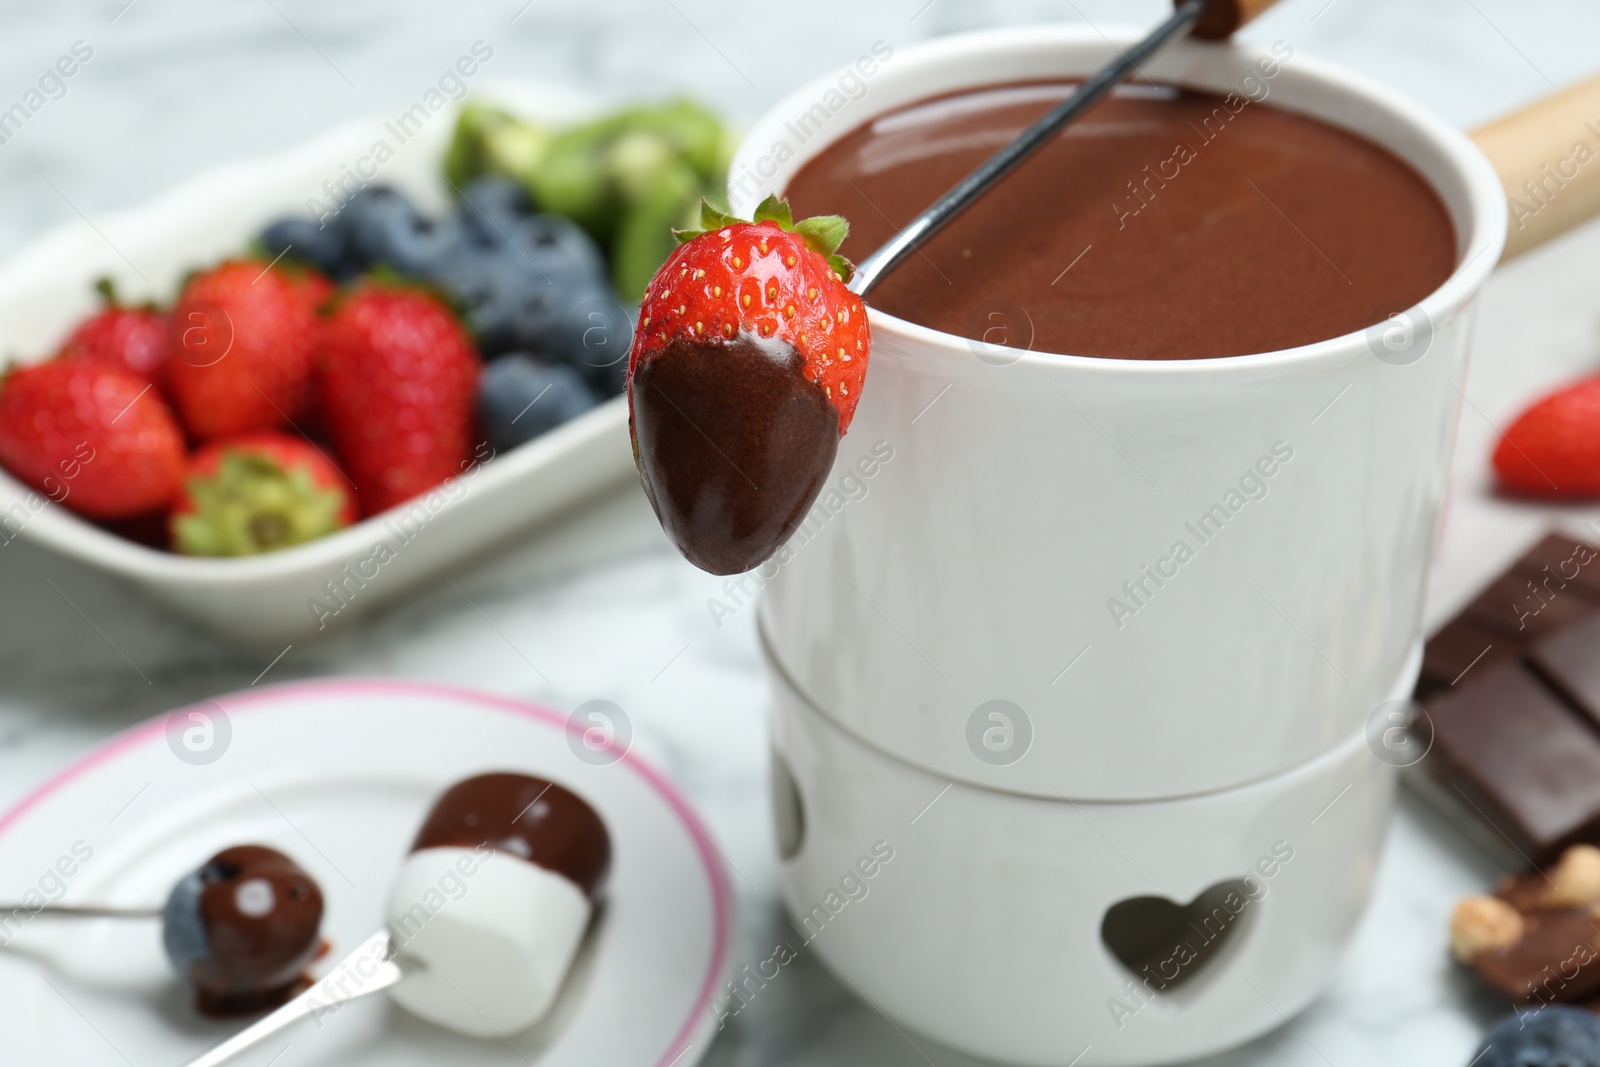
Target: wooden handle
{"points": [[1548, 158], [1223, 17]]}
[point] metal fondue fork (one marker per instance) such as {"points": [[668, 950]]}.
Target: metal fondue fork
{"points": [[372, 967], [872, 270], [80, 911]]}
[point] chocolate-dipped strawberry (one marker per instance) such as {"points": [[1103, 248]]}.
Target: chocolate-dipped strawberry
{"points": [[745, 371], [493, 901], [243, 928]]}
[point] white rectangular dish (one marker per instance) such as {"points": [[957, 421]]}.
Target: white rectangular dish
{"points": [[312, 588]]}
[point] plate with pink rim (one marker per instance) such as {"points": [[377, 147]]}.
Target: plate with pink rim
{"points": [[338, 774]]}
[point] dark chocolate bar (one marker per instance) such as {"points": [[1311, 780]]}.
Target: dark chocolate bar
{"points": [[1519, 610], [1557, 562], [1554, 585], [1512, 689], [1520, 758], [1568, 661], [1457, 649]]}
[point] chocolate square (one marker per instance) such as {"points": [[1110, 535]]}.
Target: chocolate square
{"points": [[1561, 563], [1521, 758], [1570, 661], [1517, 607], [1459, 652]]}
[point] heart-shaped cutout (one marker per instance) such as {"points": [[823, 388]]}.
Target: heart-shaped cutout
{"points": [[1166, 944], [788, 810]]}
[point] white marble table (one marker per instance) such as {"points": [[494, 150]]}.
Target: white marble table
{"points": [[600, 603]]}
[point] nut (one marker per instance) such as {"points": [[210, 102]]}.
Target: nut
{"points": [[1575, 880], [1481, 923]]}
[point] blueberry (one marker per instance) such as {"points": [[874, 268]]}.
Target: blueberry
{"points": [[1550, 1036], [384, 227], [374, 200], [550, 247], [558, 246], [523, 311], [470, 277], [492, 204], [593, 338], [366, 212], [183, 932], [322, 247], [500, 301], [520, 397], [536, 284], [489, 296]]}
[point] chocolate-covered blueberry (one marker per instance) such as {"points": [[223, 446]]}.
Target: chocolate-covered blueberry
{"points": [[242, 929]]}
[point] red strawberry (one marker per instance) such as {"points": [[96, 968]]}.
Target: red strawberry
{"points": [[258, 492], [134, 338], [745, 371], [398, 382], [1553, 448], [318, 291], [244, 338], [92, 436]]}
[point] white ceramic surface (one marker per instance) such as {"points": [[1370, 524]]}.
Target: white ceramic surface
{"points": [[983, 561], [982, 929], [339, 775], [47, 287]]}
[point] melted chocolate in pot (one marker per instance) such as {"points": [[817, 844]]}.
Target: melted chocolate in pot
{"points": [[733, 444], [530, 818], [1163, 224]]}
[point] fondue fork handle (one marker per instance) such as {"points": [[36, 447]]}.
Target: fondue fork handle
{"points": [[876, 266], [1212, 19], [1223, 17], [1544, 155]]}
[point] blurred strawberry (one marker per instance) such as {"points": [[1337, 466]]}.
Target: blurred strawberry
{"points": [[318, 291], [92, 436], [258, 492], [398, 382], [1552, 450], [244, 339], [134, 338]]}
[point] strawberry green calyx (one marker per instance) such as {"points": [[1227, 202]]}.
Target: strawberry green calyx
{"points": [[823, 234], [251, 504], [383, 275], [111, 298]]}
